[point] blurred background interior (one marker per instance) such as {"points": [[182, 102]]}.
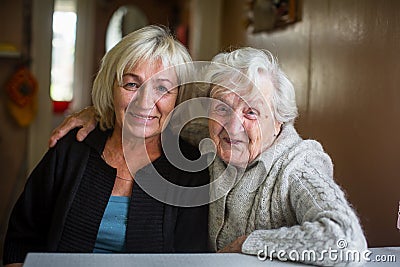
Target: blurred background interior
{"points": [[343, 57]]}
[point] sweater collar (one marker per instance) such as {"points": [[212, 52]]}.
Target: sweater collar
{"points": [[287, 138], [258, 169]]}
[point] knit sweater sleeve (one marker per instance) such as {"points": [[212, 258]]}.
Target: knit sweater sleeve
{"points": [[321, 227]]}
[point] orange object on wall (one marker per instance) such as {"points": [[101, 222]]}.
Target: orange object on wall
{"points": [[22, 90]]}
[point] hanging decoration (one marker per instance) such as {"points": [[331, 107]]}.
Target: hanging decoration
{"points": [[22, 90], [22, 87]]}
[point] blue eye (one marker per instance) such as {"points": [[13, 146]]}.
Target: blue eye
{"points": [[162, 89], [131, 86], [222, 110]]}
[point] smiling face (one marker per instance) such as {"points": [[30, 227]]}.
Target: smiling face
{"points": [[242, 127], [153, 91]]}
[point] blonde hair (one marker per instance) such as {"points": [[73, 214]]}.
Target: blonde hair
{"points": [[151, 43]]}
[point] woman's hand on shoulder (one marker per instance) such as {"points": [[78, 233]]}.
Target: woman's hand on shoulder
{"points": [[86, 118]]}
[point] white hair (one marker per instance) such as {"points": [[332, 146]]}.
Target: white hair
{"points": [[152, 44], [243, 68]]}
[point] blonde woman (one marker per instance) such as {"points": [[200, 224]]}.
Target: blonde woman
{"points": [[82, 196]]}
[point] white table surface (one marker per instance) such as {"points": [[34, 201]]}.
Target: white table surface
{"points": [[191, 260]]}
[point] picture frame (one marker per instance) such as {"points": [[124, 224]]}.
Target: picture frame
{"points": [[270, 15]]}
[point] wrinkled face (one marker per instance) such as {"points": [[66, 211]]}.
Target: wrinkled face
{"points": [[153, 91], [242, 127]]}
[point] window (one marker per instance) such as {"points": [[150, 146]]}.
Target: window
{"points": [[63, 54]]}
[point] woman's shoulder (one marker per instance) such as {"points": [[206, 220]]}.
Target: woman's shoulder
{"points": [[308, 146], [183, 164], [69, 138], [173, 144], [95, 139], [67, 141], [309, 155], [291, 147]]}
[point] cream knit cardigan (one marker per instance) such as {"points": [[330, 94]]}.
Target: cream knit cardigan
{"points": [[286, 201]]}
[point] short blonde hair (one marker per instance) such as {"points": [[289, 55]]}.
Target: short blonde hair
{"points": [[151, 43]]}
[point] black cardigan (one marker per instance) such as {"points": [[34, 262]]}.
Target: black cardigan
{"points": [[64, 199]]}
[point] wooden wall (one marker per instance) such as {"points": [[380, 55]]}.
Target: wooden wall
{"points": [[344, 60], [343, 57], [13, 139]]}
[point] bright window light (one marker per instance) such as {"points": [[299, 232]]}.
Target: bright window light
{"points": [[63, 53]]}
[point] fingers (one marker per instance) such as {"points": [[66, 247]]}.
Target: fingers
{"points": [[67, 125], [85, 130], [85, 118], [52, 141], [89, 118], [235, 246]]}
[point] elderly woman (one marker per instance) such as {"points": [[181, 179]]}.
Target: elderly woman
{"points": [[285, 199], [279, 198], [82, 196]]}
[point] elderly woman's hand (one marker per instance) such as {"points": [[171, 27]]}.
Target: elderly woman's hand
{"points": [[86, 118], [235, 246]]}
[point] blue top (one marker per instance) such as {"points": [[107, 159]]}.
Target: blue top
{"points": [[111, 234]]}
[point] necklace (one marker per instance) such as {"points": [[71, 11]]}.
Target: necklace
{"points": [[125, 179], [118, 177]]}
